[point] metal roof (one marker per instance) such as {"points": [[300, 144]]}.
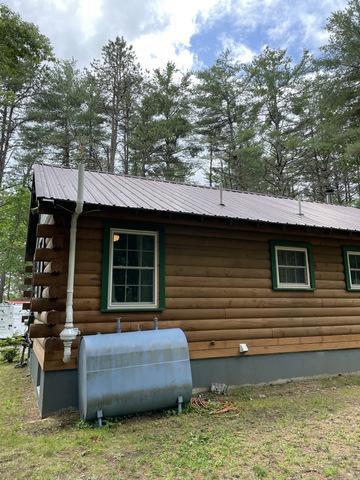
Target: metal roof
{"points": [[161, 196]]}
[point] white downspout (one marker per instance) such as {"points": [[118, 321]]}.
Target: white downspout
{"points": [[69, 333]]}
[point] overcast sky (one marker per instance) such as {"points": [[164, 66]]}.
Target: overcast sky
{"points": [[189, 32]]}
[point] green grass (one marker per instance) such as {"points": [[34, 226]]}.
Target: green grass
{"points": [[305, 430]]}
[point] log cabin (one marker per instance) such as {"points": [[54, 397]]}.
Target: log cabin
{"points": [[264, 288]]}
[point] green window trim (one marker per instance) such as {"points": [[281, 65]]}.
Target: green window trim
{"points": [[310, 257], [345, 251], [150, 227]]}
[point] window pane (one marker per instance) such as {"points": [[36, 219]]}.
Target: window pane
{"points": [[147, 294], [286, 275], [132, 294], [118, 294], [301, 275], [148, 242], [281, 255], [134, 258], [134, 242], [148, 259], [355, 277], [132, 277], [300, 259], [282, 274], [119, 258], [293, 275], [291, 258], [120, 240], [147, 277], [119, 276], [354, 260]]}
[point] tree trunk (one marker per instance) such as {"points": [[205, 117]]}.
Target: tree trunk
{"points": [[114, 130], [6, 131], [2, 286], [113, 143], [211, 165], [9, 286], [66, 157]]}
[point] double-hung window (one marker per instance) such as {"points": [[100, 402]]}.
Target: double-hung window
{"points": [[132, 274], [352, 268], [292, 266]]}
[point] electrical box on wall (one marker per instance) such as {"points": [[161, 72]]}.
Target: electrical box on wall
{"points": [[243, 348]]}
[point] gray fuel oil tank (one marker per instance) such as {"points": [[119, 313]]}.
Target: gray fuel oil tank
{"points": [[124, 373]]}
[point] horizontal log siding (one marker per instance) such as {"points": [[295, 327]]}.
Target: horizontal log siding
{"points": [[53, 256], [218, 290]]}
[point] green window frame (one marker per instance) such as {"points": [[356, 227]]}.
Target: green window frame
{"points": [[277, 246], [133, 268], [348, 252]]}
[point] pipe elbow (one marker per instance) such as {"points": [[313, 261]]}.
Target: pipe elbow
{"points": [[68, 335]]}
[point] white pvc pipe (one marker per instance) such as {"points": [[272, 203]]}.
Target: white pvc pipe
{"points": [[221, 194], [300, 204], [69, 333]]}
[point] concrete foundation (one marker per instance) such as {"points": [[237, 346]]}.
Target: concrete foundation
{"points": [[54, 390], [257, 369], [58, 390]]}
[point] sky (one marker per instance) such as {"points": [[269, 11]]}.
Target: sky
{"points": [[189, 32]]}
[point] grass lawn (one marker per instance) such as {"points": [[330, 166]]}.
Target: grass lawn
{"points": [[305, 430]]}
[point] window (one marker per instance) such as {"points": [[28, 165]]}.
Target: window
{"points": [[352, 267], [132, 273], [292, 266]]}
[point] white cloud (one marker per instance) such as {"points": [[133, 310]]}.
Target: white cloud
{"points": [[160, 30], [312, 30], [183, 20], [287, 23], [89, 14], [279, 29], [240, 51], [252, 13], [61, 5]]}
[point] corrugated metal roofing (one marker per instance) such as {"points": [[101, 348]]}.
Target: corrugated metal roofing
{"points": [[154, 195]]}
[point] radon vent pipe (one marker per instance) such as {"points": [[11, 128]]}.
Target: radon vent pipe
{"points": [[221, 192], [69, 333], [300, 205]]}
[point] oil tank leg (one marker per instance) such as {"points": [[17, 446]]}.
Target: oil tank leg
{"points": [[100, 416], [180, 402]]}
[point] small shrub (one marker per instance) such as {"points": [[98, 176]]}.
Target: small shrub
{"points": [[14, 341], [10, 354]]}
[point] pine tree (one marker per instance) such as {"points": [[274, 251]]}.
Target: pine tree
{"points": [[225, 126], [54, 113], [65, 121], [341, 61], [92, 135], [163, 126], [119, 78], [145, 133], [274, 82]]}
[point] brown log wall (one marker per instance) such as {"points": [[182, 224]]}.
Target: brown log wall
{"points": [[218, 290]]}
